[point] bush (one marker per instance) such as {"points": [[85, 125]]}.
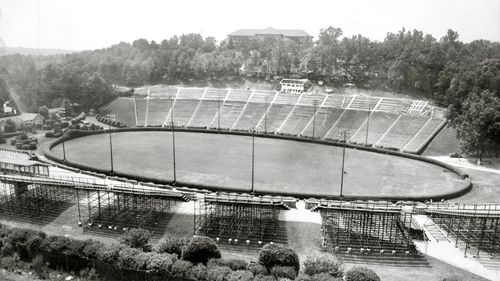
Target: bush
{"points": [[272, 255], [234, 264], [160, 263], [25, 147], [19, 145], [198, 272], [200, 249], [284, 272], [322, 264], [257, 269], [32, 146], [323, 277], [239, 275], [40, 267], [264, 278], [137, 238], [2, 140], [172, 246], [23, 136], [217, 273], [13, 142], [180, 268], [358, 273]]}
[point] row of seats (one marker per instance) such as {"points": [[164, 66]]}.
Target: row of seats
{"points": [[235, 110]]}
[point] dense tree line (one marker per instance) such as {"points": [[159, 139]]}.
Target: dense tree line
{"points": [[465, 77]]}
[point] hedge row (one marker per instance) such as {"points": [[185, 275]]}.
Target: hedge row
{"points": [[174, 259], [111, 122]]}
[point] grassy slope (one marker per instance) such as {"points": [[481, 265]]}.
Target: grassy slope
{"points": [[284, 166], [444, 143]]}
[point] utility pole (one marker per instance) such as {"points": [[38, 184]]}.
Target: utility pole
{"points": [[253, 160], [172, 127], [64, 148], [110, 118], [344, 135], [265, 117], [218, 114], [367, 124], [315, 104]]}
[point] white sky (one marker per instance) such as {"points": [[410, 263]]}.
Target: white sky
{"points": [[90, 24]]}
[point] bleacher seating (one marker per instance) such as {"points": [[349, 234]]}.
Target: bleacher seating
{"points": [[297, 120], [140, 107], [379, 123], [425, 133], [404, 129], [183, 110], [205, 113], [190, 93], [276, 115], [394, 123], [229, 112], [350, 121], [251, 116], [157, 111], [325, 118]]}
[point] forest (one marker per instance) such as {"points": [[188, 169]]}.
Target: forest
{"points": [[463, 77]]}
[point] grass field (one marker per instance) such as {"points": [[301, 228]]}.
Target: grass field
{"points": [[282, 166]]}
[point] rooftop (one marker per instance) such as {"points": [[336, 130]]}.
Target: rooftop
{"points": [[271, 31]]}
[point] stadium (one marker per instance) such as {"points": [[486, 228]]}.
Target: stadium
{"points": [[241, 161]]}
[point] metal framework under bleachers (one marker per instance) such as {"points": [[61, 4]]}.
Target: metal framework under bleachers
{"points": [[36, 202], [112, 211], [244, 220], [471, 225], [366, 228]]}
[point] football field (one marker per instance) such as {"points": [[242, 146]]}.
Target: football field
{"points": [[281, 166]]}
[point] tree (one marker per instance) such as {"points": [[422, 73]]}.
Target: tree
{"points": [[200, 249], [137, 238], [272, 255], [479, 125], [10, 126], [4, 93], [358, 273], [44, 111]]}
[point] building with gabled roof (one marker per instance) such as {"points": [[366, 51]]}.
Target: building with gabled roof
{"points": [[295, 34]]}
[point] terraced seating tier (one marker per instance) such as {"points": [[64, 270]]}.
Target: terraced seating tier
{"points": [[140, 107], [404, 129], [239, 95], [275, 116], [334, 101], [190, 93], [157, 111], [379, 123], [309, 99], [297, 120], [215, 94], [284, 98], [205, 113], [393, 105], [183, 110], [423, 135], [364, 103], [229, 112], [350, 122], [325, 118], [251, 116]]}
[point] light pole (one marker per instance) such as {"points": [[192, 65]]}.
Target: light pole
{"points": [[218, 114], [265, 117], [253, 160], [367, 124], [64, 148], [110, 117], [344, 134], [315, 104], [172, 127]]}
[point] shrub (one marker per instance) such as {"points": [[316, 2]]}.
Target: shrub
{"points": [[32, 145], [180, 268], [322, 264], [257, 269], [25, 146], [200, 250], [172, 246], [13, 142], [19, 145], [137, 238], [272, 255], [217, 273], [2, 140], [160, 263], [358, 273], [23, 136], [234, 264], [64, 124], [198, 272], [131, 259], [284, 272], [264, 278], [239, 275], [40, 267], [323, 277]]}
